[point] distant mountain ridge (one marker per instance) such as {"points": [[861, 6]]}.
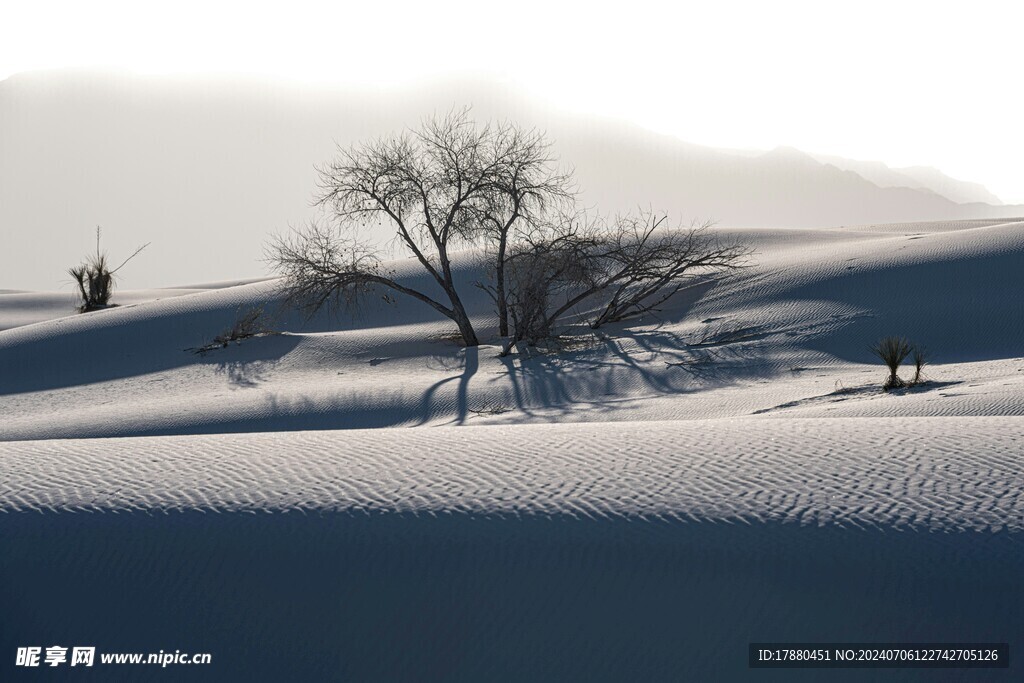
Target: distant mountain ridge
{"points": [[783, 187], [881, 174], [915, 177], [223, 163]]}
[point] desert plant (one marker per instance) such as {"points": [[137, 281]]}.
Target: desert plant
{"points": [[490, 408], [249, 323], [542, 273], [449, 183], [646, 261], [95, 278], [892, 351], [526, 192], [628, 268], [453, 183], [920, 358]]}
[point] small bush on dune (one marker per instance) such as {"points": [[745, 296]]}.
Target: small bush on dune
{"points": [[920, 358], [248, 324], [95, 278], [893, 351]]}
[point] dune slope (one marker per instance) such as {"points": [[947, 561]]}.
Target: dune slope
{"points": [[639, 505], [792, 331], [541, 552]]}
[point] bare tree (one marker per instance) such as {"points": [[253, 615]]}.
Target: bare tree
{"points": [[452, 183], [624, 270], [448, 184], [646, 262], [527, 190], [637, 264], [544, 270]]}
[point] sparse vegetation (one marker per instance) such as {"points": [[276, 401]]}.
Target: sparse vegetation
{"points": [[646, 261], [448, 184], [893, 351], [543, 274], [920, 358], [625, 269], [728, 332], [249, 323], [95, 278], [453, 183], [490, 408]]}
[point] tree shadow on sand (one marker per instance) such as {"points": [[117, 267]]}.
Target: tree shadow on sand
{"points": [[245, 374], [471, 364], [660, 361]]}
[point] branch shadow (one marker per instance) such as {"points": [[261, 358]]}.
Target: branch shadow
{"points": [[470, 367], [562, 382]]}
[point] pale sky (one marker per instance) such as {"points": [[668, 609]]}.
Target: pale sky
{"points": [[908, 83]]}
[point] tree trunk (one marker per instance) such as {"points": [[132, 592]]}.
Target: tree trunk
{"points": [[462, 320], [466, 330], [499, 275]]}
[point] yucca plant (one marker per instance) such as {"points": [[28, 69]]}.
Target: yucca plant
{"points": [[95, 278], [893, 351], [920, 358]]}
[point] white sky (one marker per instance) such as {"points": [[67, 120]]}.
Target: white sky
{"points": [[909, 83]]}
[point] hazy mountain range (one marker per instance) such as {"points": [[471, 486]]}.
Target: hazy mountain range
{"points": [[916, 177], [206, 169]]}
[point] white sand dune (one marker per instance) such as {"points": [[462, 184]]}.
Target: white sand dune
{"points": [[613, 551], [20, 308], [638, 506], [951, 474], [783, 336]]}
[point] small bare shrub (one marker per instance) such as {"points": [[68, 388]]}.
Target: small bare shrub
{"points": [[726, 332], [626, 269], [490, 408], [248, 324]]}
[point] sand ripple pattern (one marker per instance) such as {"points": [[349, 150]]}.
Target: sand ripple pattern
{"points": [[907, 473]]}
